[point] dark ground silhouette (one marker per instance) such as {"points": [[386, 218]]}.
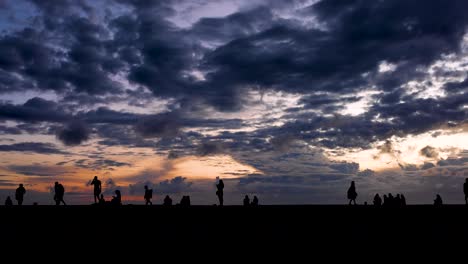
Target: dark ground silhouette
{"points": [[329, 225]]}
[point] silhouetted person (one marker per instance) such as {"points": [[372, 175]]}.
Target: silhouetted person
{"points": [[391, 200], [19, 194], [8, 202], [102, 201], [59, 193], [438, 201], [377, 200], [398, 200], [254, 201], [167, 201], [185, 201], [465, 190], [352, 194], [246, 200], [97, 188], [148, 195], [219, 192], [403, 200], [117, 199], [385, 200]]}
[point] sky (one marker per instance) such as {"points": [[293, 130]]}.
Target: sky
{"points": [[286, 100]]}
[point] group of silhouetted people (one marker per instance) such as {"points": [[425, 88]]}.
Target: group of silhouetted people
{"points": [[396, 201], [390, 200], [248, 203], [59, 193]]}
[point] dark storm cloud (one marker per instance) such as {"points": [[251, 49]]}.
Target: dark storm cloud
{"points": [[73, 133], [355, 42], [34, 110], [211, 148], [453, 161], [454, 87], [231, 27], [429, 152], [35, 147], [9, 130], [427, 165], [99, 164], [345, 167], [178, 184], [38, 170], [254, 48], [366, 173], [164, 125]]}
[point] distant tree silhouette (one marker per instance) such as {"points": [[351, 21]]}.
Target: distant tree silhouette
{"points": [[117, 199], [8, 201], [254, 201], [167, 201], [97, 188], [19, 194], [465, 190], [59, 193], [352, 194], [246, 200], [148, 195], [220, 192], [438, 201], [377, 200]]}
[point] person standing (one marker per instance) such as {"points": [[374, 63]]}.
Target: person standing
{"points": [[97, 188], [352, 194], [438, 200], [254, 201], [19, 194], [246, 201], [220, 192]]}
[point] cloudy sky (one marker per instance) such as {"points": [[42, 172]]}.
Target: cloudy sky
{"points": [[286, 100]]}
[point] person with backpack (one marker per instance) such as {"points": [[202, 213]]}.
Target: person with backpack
{"points": [[148, 195], [59, 193]]}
